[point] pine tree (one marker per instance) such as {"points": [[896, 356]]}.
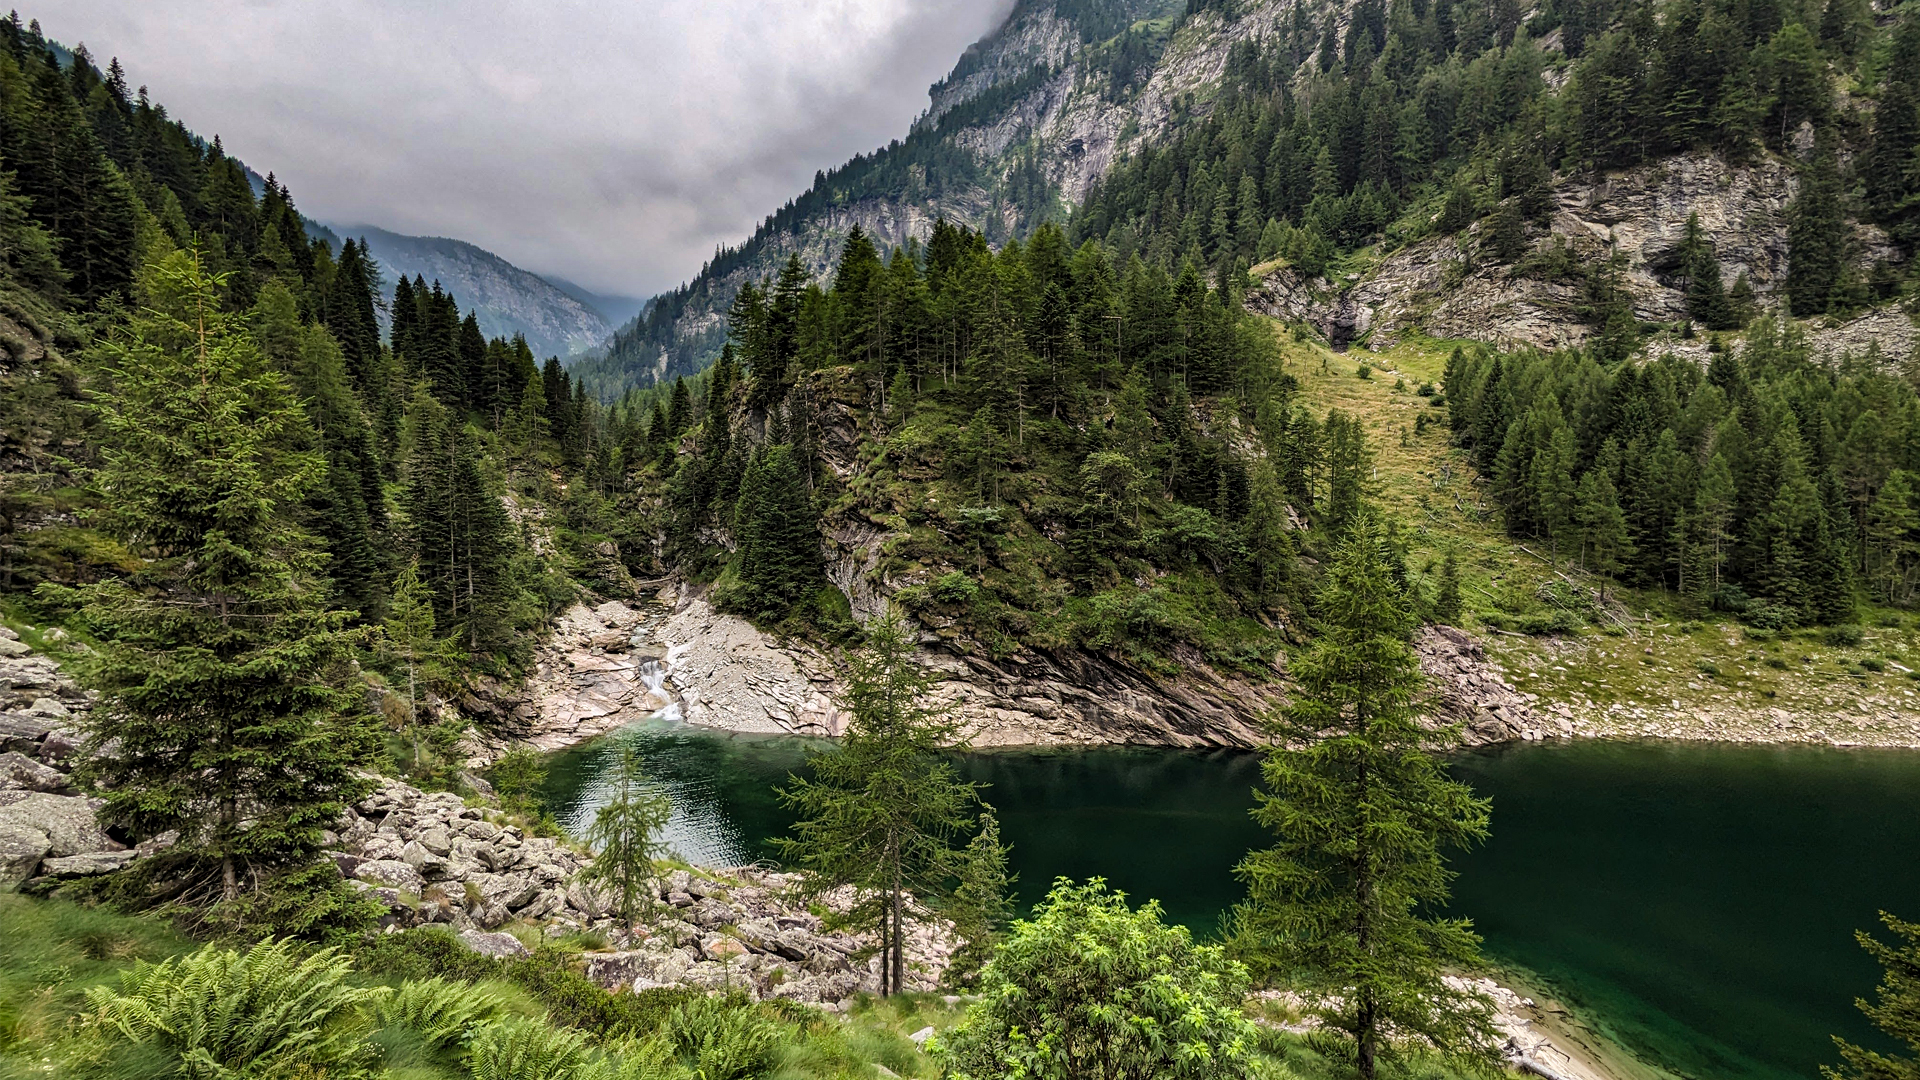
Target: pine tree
{"points": [[411, 633], [881, 811], [1707, 299], [1893, 538], [1362, 813], [226, 714], [1605, 540], [625, 836]]}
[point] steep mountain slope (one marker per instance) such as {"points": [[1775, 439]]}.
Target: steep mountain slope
{"points": [[507, 299], [1033, 120], [1028, 118]]}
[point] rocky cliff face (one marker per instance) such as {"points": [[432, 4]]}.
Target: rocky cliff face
{"points": [[1446, 287]]}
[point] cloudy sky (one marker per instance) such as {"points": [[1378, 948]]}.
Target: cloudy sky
{"points": [[614, 142]]}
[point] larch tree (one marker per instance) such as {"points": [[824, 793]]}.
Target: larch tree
{"points": [[1896, 1014], [881, 811], [1362, 812], [625, 836]]}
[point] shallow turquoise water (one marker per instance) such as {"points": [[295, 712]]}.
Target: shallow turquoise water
{"points": [[1697, 903]]}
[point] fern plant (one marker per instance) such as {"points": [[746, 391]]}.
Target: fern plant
{"points": [[526, 1050], [219, 1014], [441, 1014], [726, 1039]]}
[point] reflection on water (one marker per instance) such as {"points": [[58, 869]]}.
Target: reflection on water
{"points": [[1697, 901], [709, 778]]}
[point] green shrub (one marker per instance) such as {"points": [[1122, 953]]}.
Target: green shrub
{"points": [[1873, 664], [1707, 668], [1090, 989], [1845, 636], [1364, 371], [1776, 663], [222, 1013]]}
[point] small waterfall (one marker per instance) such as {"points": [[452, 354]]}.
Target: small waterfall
{"points": [[654, 674]]}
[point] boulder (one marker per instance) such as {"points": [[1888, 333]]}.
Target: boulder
{"points": [[591, 900], [21, 849], [91, 864], [497, 946], [426, 863], [392, 873], [22, 772], [509, 891], [69, 822], [23, 733], [13, 648], [47, 706], [436, 839], [57, 746]]}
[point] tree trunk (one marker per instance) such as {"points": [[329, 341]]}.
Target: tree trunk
{"points": [[899, 938], [1366, 1017]]}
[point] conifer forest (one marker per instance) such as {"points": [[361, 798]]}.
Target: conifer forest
{"points": [[1246, 539]]}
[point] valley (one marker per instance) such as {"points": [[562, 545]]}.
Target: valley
{"points": [[1259, 538]]}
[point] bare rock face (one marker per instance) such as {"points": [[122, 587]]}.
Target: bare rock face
{"points": [[1469, 691], [730, 675], [590, 678], [1445, 286]]}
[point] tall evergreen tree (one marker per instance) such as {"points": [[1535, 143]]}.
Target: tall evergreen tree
{"points": [[778, 561], [1817, 236], [1362, 812], [227, 713], [1896, 1013], [625, 836], [882, 810]]}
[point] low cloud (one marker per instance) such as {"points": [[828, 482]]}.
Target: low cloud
{"points": [[613, 143]]}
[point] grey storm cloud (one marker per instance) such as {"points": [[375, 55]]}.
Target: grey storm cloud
{"points": [[615, 143]]}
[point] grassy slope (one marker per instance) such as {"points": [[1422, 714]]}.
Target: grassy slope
{"points": [[1659, 673], [51, 951]]}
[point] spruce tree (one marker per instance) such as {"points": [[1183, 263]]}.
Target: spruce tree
{"points": [[778, 560], [1605, 541], [981, 904], [1707, 299], [881, 811], [1817, 236], [1362, 812], [227, 709]]}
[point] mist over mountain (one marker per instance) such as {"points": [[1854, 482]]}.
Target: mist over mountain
{"points": [[508, 300]]}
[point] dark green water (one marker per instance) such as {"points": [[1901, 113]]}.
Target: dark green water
{"points": [[1695, 903]]}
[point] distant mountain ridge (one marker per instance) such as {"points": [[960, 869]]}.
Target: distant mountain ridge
{"points": [[1028, 119], [557, 320]]}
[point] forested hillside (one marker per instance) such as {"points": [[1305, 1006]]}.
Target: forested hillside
{"points": [[974, 159], [406, 441], [1442, 165]]}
